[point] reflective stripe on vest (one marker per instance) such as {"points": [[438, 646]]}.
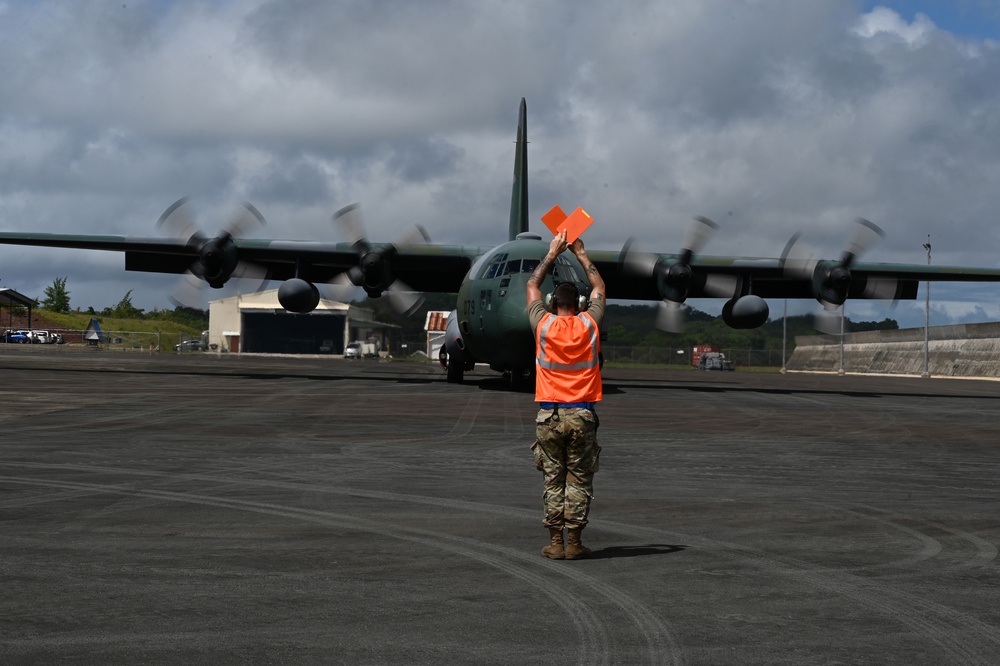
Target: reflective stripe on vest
{"points": [[582, 365]]}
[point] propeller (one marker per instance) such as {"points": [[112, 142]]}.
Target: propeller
{"points": [[676, 280], [217, 258], [373, 272], [831, 280]]}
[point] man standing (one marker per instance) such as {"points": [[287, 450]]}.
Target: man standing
{"points": [[567, 388]]}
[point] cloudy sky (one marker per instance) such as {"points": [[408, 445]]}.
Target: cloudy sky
{"points": [[769, 116]]}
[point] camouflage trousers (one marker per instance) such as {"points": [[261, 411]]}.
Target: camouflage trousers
{"points": [[567, 454]]}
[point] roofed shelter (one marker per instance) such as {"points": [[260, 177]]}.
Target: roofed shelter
{"points": [[10, 298]]}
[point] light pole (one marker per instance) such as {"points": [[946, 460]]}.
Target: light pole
{"points": [[784, 336], [843, 312], [927, 315]]}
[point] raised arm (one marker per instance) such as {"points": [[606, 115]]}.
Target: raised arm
{"points": [[556, 247], [596, 281]]}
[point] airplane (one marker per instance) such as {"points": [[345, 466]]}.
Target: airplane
{"points": [[490, 324]]}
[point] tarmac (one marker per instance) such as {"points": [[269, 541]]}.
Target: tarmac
{"points": [[227, 509]]}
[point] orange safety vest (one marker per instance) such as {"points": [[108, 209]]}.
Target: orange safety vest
{"points": [[566, 359]]}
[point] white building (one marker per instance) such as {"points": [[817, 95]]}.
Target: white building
{"points": [[435, 325], [256, 323]]}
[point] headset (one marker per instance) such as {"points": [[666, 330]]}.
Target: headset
{"points": [[582, 302]]}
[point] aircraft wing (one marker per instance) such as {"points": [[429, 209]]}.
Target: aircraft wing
{"points": [[714, 277], [431, 268]]}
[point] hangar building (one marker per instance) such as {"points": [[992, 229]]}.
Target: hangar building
{"points": [[256, 323]]}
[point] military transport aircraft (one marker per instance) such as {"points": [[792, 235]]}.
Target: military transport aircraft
{"points": [[490, 322]]}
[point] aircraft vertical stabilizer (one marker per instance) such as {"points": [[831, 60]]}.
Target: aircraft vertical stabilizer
{"points": [[519, 192]]}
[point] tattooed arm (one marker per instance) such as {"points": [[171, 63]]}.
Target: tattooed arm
{"points": [[596, 281], [556, 247]]}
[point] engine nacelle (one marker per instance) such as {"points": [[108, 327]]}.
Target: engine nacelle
{"points": [[455, 346], [745, 312], [374, 274], [217, 260], [297, 295], [831, 283]]}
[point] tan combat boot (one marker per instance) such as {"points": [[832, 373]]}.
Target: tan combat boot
{"points": [[574, 549], [554, 551]]}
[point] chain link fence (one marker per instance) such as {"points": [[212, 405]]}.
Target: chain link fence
{"points": [[682, 356], [125, 341], [135, 341]]}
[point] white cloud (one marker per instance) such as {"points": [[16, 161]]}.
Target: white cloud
{"points": [[882, 20], [766, 116]]}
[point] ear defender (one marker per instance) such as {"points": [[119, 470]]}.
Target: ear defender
{"points": [[581, 302]]}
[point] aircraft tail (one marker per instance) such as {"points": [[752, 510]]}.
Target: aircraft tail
{"points": [[519, 192]]}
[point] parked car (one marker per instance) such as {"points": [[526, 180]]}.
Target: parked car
{"points": [[352, 350], [17, 337], [42, 337], [191, 345]]}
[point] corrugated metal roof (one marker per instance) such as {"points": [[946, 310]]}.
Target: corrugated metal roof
{"points": [[437, 320], [10, 297]]}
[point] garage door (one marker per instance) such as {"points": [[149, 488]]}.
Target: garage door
{"points": [[286, 333]]}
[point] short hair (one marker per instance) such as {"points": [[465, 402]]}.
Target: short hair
{"points": [[566, 295]]}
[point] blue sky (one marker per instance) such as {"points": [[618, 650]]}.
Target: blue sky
{"points": [[977, 19]]}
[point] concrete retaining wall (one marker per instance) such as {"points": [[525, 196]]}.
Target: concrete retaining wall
{"points": [[966, 350]]}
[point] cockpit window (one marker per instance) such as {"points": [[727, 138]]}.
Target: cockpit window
{"points": [[529, 265], [496, 264], [564, 271], [513, 267]]}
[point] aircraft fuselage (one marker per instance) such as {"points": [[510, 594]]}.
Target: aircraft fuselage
{"points": [[492, 311]]}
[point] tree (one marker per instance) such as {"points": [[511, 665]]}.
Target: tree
{"points": [[56, 296], [125, 309]]}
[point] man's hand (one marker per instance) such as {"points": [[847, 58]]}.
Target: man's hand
{"points": [[556, 247], [558, 244], [596, 281]]}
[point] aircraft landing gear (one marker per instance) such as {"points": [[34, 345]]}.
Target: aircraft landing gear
{"points": [[521, 380], [456, 371]]}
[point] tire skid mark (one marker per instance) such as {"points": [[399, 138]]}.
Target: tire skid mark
{"points": [[467, 418], [986, 551], [663, 646], [463, 426], [514, 413], [47, 498], [930, 547], [592, 632], [967, 639]]}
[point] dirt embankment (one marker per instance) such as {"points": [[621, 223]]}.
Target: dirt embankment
{"points": [[17, 322]]}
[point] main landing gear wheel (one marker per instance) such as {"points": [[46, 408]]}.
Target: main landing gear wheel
{"points": [[521, 380], [456, 371]]}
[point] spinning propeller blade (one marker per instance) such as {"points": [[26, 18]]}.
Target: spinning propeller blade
{"points": [[374, 270], [217, 258], [675, 280]]}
